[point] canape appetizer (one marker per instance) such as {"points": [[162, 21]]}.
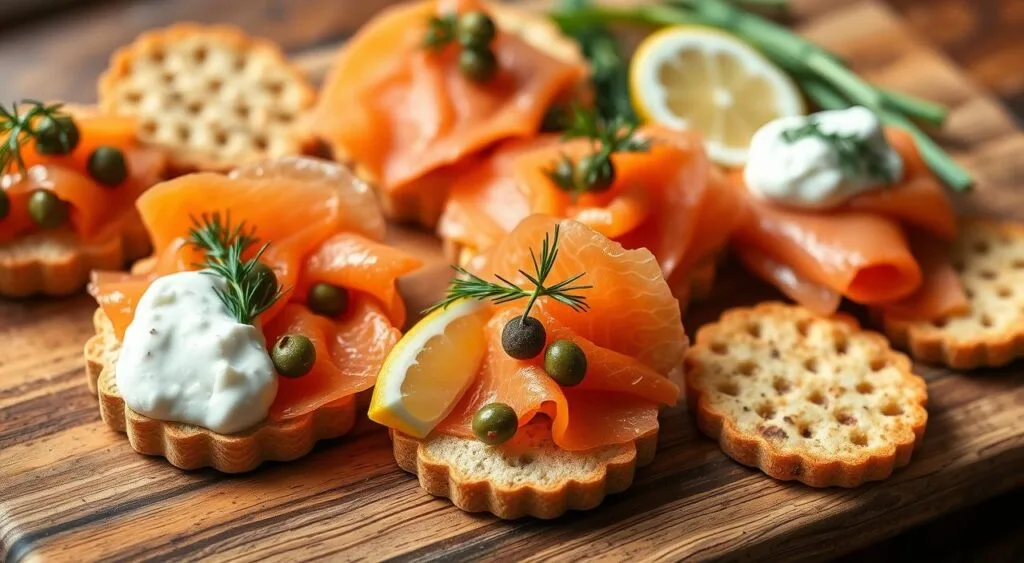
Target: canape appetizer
{"points": [[534, 386], [68, 183], [427, 86], [213, 97], [838, 207], [644, 188], [268, 304]]}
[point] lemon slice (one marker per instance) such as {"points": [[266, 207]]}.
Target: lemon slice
{"points": [[692, 77], [430, 368]]}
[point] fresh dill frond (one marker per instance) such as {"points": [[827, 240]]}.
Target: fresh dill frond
{"points": [[17, 128], [611, 136], [856, 155], [245, 296], [567, 291]]}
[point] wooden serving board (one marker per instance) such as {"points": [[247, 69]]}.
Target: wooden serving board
{"points": [[73, 490]]}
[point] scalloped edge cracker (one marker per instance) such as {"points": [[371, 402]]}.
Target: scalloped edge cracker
{"points": [[805, 398]]}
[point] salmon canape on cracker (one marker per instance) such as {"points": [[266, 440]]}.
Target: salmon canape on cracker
{"points": [[69, 178], [425, 87], [534, 387], [270, 301], [650, 188]]}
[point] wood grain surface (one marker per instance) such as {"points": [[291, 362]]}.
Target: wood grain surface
{"points": [[73, 490]]}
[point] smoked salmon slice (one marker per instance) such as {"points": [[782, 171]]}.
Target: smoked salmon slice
{"points": [[632, 336], [402, 111], [312, 239], [882, 248], [96, 211], [668, 199]]}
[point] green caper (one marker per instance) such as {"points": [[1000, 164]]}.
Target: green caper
{"points": [[523, 338], [479, 65], [474, 30], [56, 135], [565, 362], [5, 204], [495, 423], [46, 209], [264, 280], [293, 355], [107, 166], [327, 299], [595, 173]]}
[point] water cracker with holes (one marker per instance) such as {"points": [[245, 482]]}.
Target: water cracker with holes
{"points": [[803, 397], [988, 257], [212, 96]]}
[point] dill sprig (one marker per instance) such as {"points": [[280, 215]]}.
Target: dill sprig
{"points": [[38, 121], [246, 295], [856, 155], [566, 291], [594, 172], [608, 135]]}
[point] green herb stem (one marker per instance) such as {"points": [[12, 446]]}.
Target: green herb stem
{"points": [[816, 68], [918, 109], [567, 291]]}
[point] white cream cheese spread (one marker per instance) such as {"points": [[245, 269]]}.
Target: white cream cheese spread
{"points": [[184, 358], [821, 160]]}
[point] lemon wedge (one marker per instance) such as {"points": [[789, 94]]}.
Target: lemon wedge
{"points": [[693, 77], [430, 368]]}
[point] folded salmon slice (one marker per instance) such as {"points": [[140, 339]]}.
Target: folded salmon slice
{"points": [[349, 353], [884, 248], [667, 199], [616, 402], [311, 240], [632, 336], [96, 211], [403, 111]]}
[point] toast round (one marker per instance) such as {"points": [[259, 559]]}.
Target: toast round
{"points": [[805, 398], [527, 476], [58, 262]]}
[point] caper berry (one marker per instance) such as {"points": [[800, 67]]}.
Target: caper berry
{"points": [[495, 423], [523, 338], [107, 166], [57, 135], [5, 204], [479, 65], [46, 209], [474, 30], [293, 355], [595, 173], [327, 299], [565, 362], [264, 280]]}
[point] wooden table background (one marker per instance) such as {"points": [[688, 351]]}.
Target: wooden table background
{"points": [[58, 55]]}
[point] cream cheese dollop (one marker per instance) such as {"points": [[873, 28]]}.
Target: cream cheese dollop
{"points": [[806, 172], [184, 358]]}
